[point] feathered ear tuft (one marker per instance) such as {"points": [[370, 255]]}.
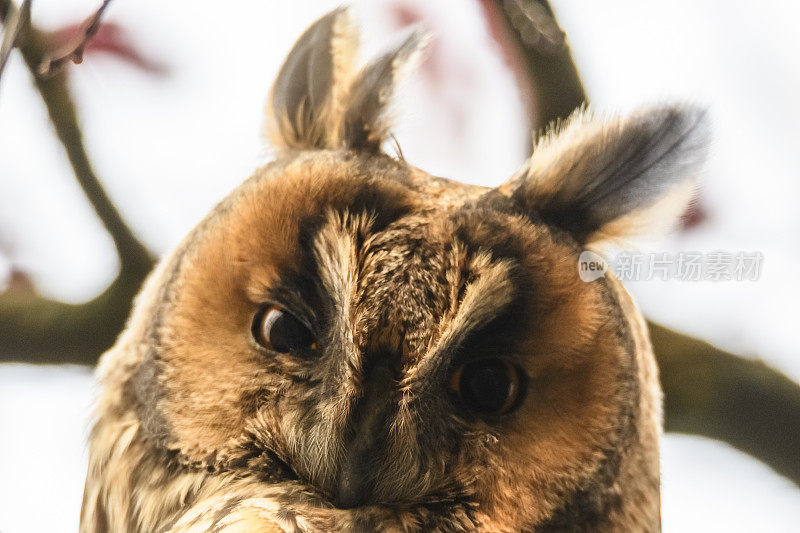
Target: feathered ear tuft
{"points": [[318, 102], [609, 179], [366, 124], [303, 110]]}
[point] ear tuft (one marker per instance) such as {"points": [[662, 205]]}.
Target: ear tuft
{"points": [[317, 102], [304, 108], [602, 179], [366, 124]]}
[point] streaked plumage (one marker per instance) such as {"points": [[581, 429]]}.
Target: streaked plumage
{"points": [[438, 365]]}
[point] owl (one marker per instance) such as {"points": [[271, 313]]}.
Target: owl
{"points": [[348, 343]]}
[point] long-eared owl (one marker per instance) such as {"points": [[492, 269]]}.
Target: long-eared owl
{"points": [[347, 343]]}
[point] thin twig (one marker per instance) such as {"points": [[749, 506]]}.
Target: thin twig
{"points": [[56, 96], [17, 20], [35, 329], [74, 52]]}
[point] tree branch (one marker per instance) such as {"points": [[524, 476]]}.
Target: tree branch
{"points": [[55, 94], [16, 21], [717, 394], [35, 329], [41, 331], [707, 391], [535, 48]]}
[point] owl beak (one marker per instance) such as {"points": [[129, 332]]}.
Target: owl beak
{"points": [[354, 488], [356, 481]]}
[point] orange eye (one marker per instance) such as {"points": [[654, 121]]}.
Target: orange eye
{"points": [[278, 330], [488, 386]]}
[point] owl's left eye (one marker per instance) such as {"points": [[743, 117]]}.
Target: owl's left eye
{"points": [[488, 386], [278, 330]]}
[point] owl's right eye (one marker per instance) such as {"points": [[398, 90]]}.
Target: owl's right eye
{"points": [[278, 330]]}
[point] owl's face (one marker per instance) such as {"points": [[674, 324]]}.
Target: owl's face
{"points": [[386, 346], [382, 337]]}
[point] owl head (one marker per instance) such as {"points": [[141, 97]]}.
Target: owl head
{"points": [[381, 339]]}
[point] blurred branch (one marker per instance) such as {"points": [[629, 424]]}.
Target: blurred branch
{"points": [[74, 52], [13, 26], [35, 329], [721, 395], [536, 49], [707, 391], [41, 331]]}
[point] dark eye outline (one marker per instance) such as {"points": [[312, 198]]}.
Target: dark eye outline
{"points": [[518, 384], [256, 330]]}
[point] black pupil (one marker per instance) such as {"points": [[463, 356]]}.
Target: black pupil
{"points": [[285, 333], [485, 385]]}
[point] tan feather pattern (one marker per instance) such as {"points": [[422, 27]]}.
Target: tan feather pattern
{"points": [[439, 364]]}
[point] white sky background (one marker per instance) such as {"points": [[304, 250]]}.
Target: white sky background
{"points": [[168, 149]]}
